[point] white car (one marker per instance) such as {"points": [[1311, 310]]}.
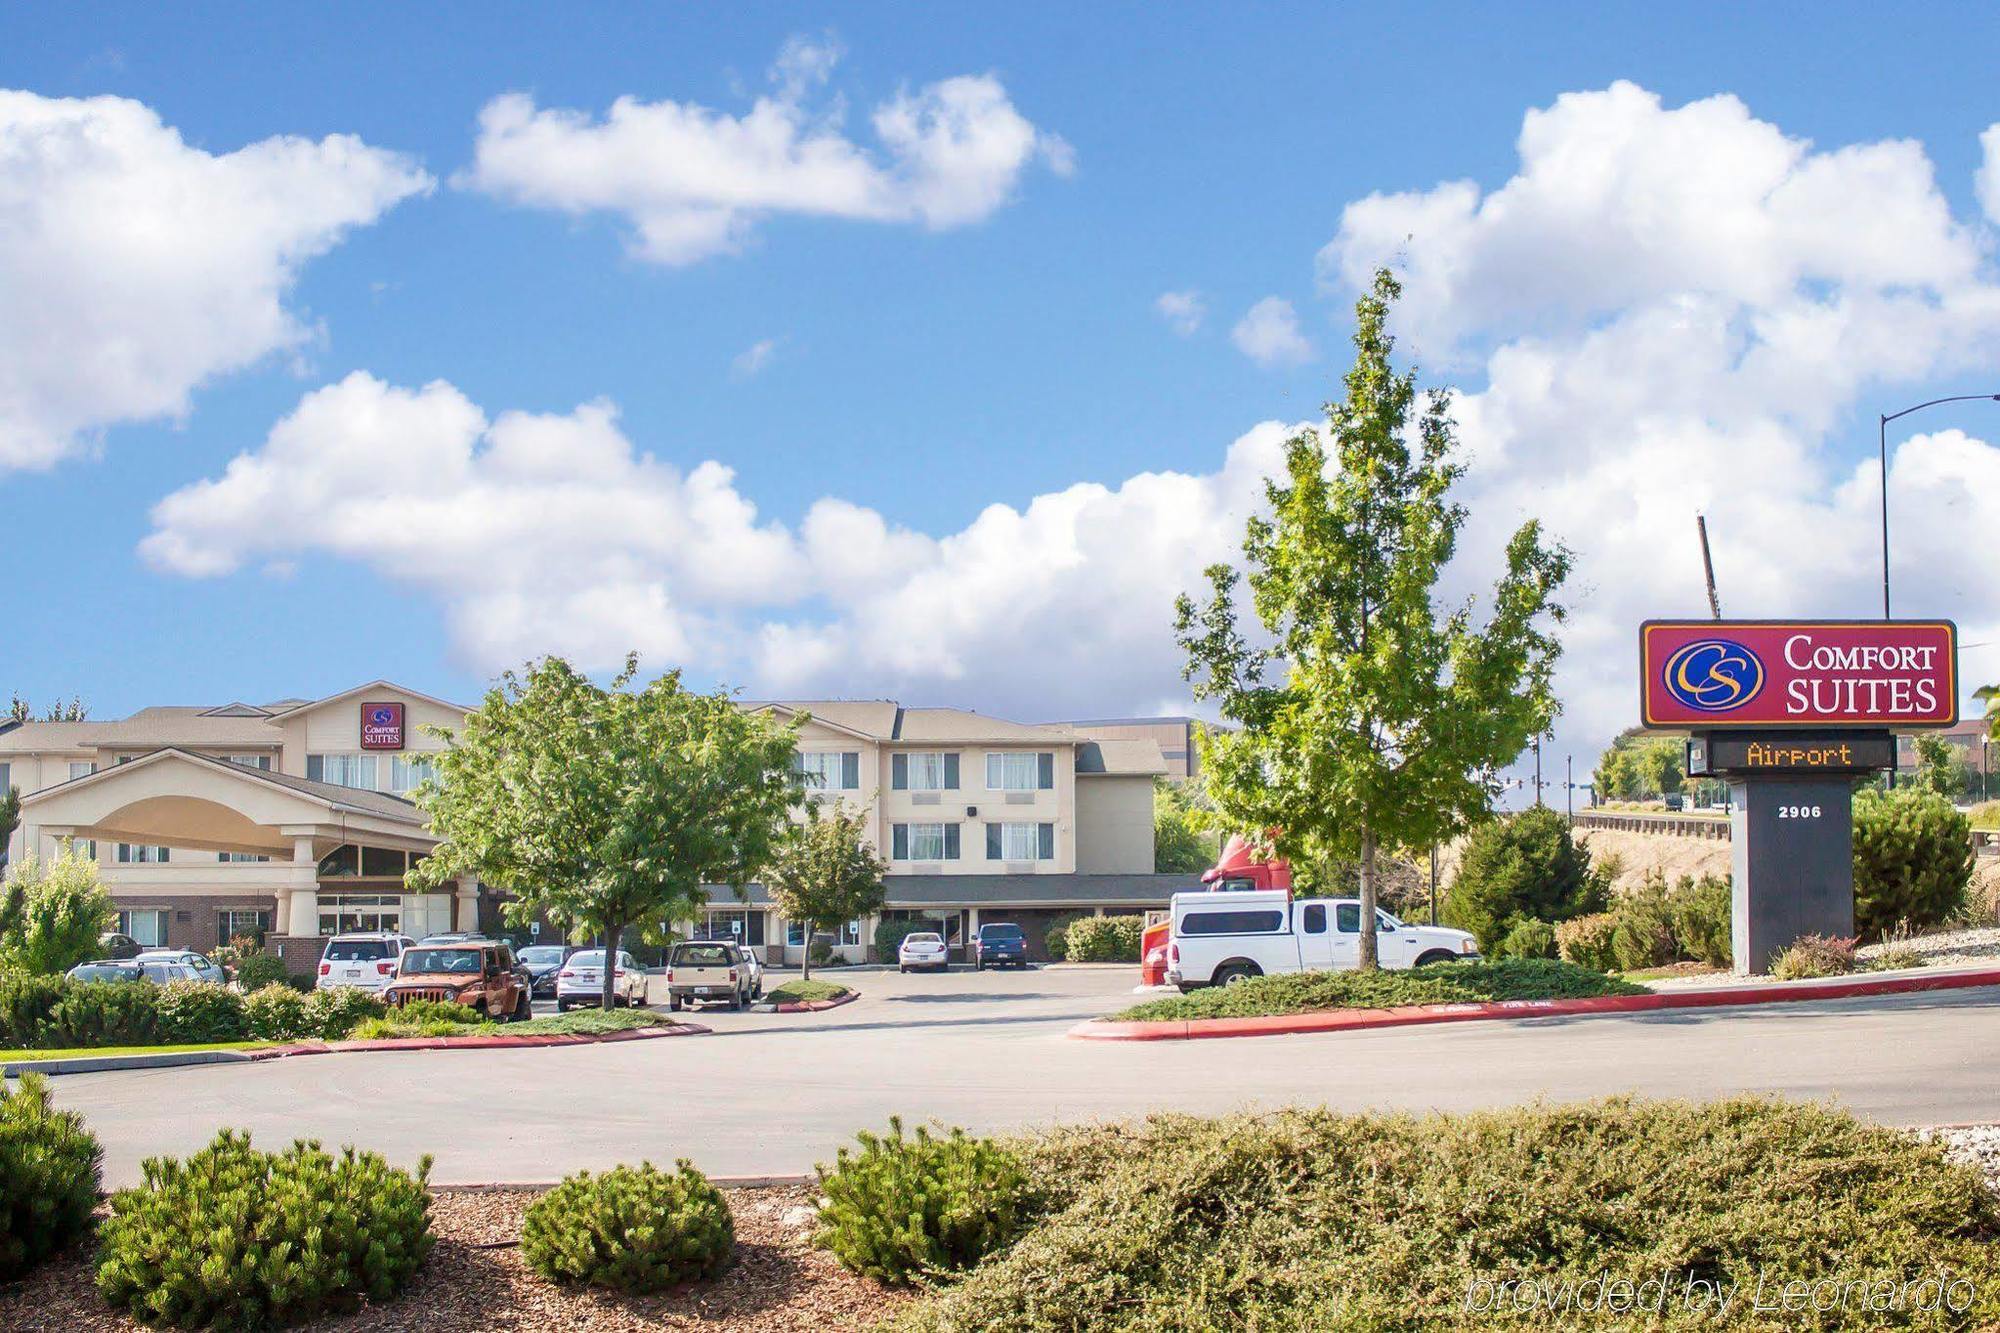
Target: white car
{"points": [[753, 968], [205, 969], [581, 981], [1220, 939], [923, 948], [366, 959]]}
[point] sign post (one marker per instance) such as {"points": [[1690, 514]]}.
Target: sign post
{"points": [[1791, 714]]}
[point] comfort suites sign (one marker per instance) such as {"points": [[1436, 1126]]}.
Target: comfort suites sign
{"points": [[1715, 674], [382, 726]]}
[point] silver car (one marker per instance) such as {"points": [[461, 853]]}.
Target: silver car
{"points": [[754, 969], [204, 968]]}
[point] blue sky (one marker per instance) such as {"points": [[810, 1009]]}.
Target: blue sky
{"points": [[925, 373]]}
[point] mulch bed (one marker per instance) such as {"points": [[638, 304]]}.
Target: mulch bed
{"points": [[779, 1282]]}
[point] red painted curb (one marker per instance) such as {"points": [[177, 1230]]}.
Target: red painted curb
{"points": [[814, 1006], [1344, 1020], [493, 1042]]}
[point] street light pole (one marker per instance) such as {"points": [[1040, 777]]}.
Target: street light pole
{"points": [[1882, 445]]}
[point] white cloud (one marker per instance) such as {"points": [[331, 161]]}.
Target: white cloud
{"points": [[1987, 180], [134, 268], [1269, 334], [1183, 311], [751, 360], [693, 182]]}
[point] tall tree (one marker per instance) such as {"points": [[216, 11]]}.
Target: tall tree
{"points": [[52, 912], [10, 819], [607, 808], [824, 873], [74, 709], [1367, 715], [1183, 841]]}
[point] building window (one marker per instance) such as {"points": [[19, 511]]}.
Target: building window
{"points": [[80, 768], [259, 761], [923, 842], [795, 933], [382, 863], [83, 847], [345, 913], [6, 778], [130, 853], [1020, 842], [1020, 772], [407, 774], [235, 922], [924, 771], [240, 858], [743, 926], [343, 770], [829, 770], [147, 925]]}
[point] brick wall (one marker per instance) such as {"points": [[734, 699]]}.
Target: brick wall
{"points": [[194, 920]]}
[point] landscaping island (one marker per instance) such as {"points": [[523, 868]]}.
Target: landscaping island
{"points": [[1440, 983], [808, 995]]}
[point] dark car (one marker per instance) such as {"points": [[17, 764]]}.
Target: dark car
{"points": [[113, 945], [543, 961], [999, 945]]}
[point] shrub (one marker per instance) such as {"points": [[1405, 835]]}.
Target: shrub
{"points": [[633, 1229], [195, 1011], [820, 950], [332, 1014], [1439, 983], [276, 1013], [1814, 956], [889, 935], [1644, 934], [63, 909], [1699, 912], [1912, 860], [1528, 939], [906, 1208], [1526, 866], [26, 1001], [105, 1013], [1890, 960], [1586, 941], [254, 971], [449, 1012], [1104, 939], [1055, 940], [48, 1176], [239, 1238]]}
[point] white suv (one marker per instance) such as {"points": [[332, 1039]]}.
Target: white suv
{"points": [[366, 959]]}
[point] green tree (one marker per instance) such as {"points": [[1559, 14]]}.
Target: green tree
{"points": [[824, 873], [74, 709], [606, 808], [1183, 843], [1940, 768], [1525, 867], [53, 913], [10, 819], [1373, 717]]}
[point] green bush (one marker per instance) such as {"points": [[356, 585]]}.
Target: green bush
{"points": [[104, 1013], [1439, 983], [62, 910], [254, 971], [449, 1012], [820, 950], [26, 1001], [276, 1012], [332, 1014], [910, 1208], [1912, 861], [1104, 939], [1587, 941], [633, 1229], [49, 1167], [197, 1011], [1303, 1219], [1814, 956], [1523, 867], [889, 935], [237, 1238], [1528, 939], [1055, 940], [1644, 934], [1699, 910]]}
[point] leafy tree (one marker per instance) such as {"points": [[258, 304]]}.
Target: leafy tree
{"points": [[1526, 867], [1941, 767], [1374, 718], [1639, 766], [53, 913], [1182, 841], [10, 819], [606, 808], [72, 710], [824, 873]]}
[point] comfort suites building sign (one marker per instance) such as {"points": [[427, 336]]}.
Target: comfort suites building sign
{"points": [[1712, 675], [382, 726]]}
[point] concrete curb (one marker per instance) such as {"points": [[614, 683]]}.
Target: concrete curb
{"points": [[815, 1006], [1346, 1020], [175, 1059], [720, 1182]]}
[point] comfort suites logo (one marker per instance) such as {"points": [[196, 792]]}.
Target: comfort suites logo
{"points": [[382, 726], [1714, 675]]}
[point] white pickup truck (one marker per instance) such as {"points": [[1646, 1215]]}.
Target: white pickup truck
{"points": [[1219, 939]]}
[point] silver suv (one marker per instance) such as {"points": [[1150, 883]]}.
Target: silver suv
{"points": [[364, 958]]}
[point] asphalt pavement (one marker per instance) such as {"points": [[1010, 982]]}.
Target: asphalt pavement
{"points": [[775, 1093]]}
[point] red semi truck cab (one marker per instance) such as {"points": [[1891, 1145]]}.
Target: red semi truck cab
{"points": [[1236, 870]]}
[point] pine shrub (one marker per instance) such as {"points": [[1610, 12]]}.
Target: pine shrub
{"points": [[48, 1176], [197, 1011], [254, 971], [632, 1229], [1528, 939], [1700, 912], [1587, 941], [437, 1011], [105, 1013], [1644, 934], [1814, 956], [1524, 867], [26, 1001], [1912, 861], [332, 1014], [235, 1238], [911, 1207], [276, 1012]]}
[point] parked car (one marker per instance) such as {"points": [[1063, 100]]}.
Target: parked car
{"points": [[1000, 944], [703, 970], [158, 972], [543, 961], [580, 981], [365, 958], [477, 973], [205, 968], [1220, 939], [755, 966], [116, 946], [923, 949]]}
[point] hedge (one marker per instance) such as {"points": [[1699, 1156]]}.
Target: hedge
{"points": [[53, 1013], [1439, 983], [1104, 939]]}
